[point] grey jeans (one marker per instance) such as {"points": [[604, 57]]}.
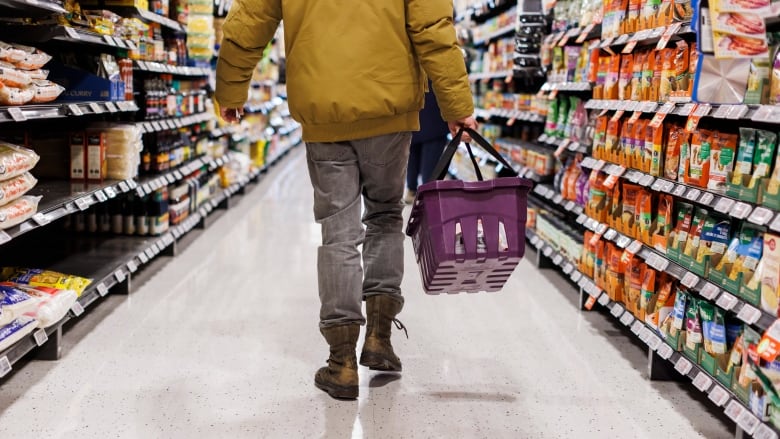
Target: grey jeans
{"points": [[342, 174]]}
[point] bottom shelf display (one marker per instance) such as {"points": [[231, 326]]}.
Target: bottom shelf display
{"points": [[81, 269]]}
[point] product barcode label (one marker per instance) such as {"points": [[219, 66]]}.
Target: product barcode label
{"points": [[709, 291], [636, 327], [40, 337], [617, 310], [683, 366], [724, 205], [665, 351], [760, 216], [41, 219], [626, 319], [727, 301], [5, 366], [741, 210], [120, 276], [102, 289], [149, 253], [679, 190], [603, 299], [748, 422], [718, 395], [557, 259], [576, 276], [749, 314], [764, 432], [690, 280], [707, 199], [75, 110], [77, 309], [734, 409], [702, 382], [132, 266]]}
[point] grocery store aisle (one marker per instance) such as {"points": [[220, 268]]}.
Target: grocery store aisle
{"points": [[223, 342]]}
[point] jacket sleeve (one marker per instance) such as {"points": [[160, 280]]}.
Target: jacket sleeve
{"points": [[430, 28], [249, 27]]}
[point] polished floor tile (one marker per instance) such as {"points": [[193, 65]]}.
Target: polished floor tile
{"points": [[223, 343]]}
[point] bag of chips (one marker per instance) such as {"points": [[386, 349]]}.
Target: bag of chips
{"points": [[36, 277]]}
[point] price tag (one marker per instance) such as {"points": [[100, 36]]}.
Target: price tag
{"points": [[170, 178], [534, 240], [16, 114], [661, 263], [657, 185], [633, 176], [581, 218], [727, 301], [630, 46], [709, 291], [157, 126], [5, 366], [644, 334], [132, 266], [718, 395], [557, 259], [84, 202], [156, 248], [120, 275], [623, 241], [749, 314], [41, 219], [627, 319], [702, 382], [111, 107], [40, 337], [693, 194], [687, 109], [95, 108], [654, 342], [667, 35], [568, 206], [606, 42], [177, 175], [764, 432], [666, 108], [123, 187], [584, 33], [547, 251], [561, 148], [636, 327], [665, 351], [724, 205], [741, 210], [75, 110], [646, 180], [568, 268], [760, 216], [737, 112], [102, 289], [690, 280], [649, 106], [101, 196], [603, 299], [683, 366], [679, 190], [77, 309], [734, 409], [149, 253], [635, 247], [707, 199], [610, 234], [667, 187], [576, 276], [617, 310], [721, 112]]}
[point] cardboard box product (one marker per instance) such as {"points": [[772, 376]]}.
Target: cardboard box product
{"points": [[78, 158]]}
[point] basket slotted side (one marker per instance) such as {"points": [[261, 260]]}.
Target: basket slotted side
{"points": [[441, 205]]}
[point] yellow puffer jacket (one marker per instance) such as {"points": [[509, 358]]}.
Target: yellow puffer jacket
{"points": [[353, 66]]}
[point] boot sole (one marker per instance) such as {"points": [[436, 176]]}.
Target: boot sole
{"points": [[338, 392], [378, 362]]}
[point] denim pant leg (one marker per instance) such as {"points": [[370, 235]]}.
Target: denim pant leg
{"points": [[383, 162], [335, 178]]}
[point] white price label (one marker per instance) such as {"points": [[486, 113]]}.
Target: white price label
{"points": [[764, 432], [721, 112], [734, 409], [686, 109], [679, 190], [749, 314], [665, 351], [75, 110], [748, 422], [41, 219], [110, 192], [557, 259], [534, 240], [120, 275], [601, 229], [102, 289], [77, 309], [142, 256], [709, 291], [644, 334], [623, 241], [690, 280], [702, 382], [666, 108], [16, 114], [636, 327], [702, 110], [646, 180], [627, 319], [724, 205], [741, 210], [547, 251], [693, 194], [718, 395], [610, 234], [650, 107], [101, 196], [149, 253], [4, 237], [775, 225], [760, 216], [635, 247], [40, 337], [132, 266], [111, 107], [683, 366], [576, 276], [568, 268], [654, 342], [738, 112], [604, 299], [727, 301], [95, 107], [84, 202], [617, 310], [707, 199], [5, 366]]}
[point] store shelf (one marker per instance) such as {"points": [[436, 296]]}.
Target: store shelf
{"points": [[150, 183], [62, 198], [148, 16], [491, 75], [721, 396], [41, 6], [265, 107], [155, 67], [504, 31], [566, 144], [526, 116], [546, 192], [649, 36], [24, 113], [566, 86], [485, 10], [755, 113], [45, 33], [174, 122]]}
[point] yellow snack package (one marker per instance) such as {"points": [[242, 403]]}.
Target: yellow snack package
{"points": [[46, 278]]}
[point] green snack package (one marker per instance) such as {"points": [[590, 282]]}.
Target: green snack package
{"points": [[683, 225], [693, 335], [766, 142], [747, 148], [714, 239], [713, 324]]}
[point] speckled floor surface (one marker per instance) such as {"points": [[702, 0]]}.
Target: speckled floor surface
{"points": [[223, 343]]}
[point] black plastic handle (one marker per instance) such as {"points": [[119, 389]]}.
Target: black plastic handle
{"points": [[440, 171]]}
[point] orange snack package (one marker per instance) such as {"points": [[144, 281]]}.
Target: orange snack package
{"points": [[626, 75], [667, 75], [636, 78], [613, 78], [698, 171], [600, 137], [680, 80]]}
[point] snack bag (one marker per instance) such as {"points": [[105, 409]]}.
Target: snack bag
{"points": [[766, 143], [715, 237], [46, 278], [678, 313], [613, 78], [629, 214], [682, 226], [647, 295], [636, 273], [743, 253], [685, 155], [611, 146], [693, 336], [770, 275], [664, 302], [14, 188], [747, 148], [713, 328], [18, 211], [643, 157], [664, 222], [600, 137], [679, 82], [32, 58], [671, 162], [644, 215], [636, 76], [15, 160], [699, 161], [722, 154], [694, 237]]}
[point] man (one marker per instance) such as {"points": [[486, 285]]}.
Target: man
{"points": [[356, 78]]}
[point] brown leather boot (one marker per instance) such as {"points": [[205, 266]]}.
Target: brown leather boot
{"points": [[378, 351], [340, 378]]}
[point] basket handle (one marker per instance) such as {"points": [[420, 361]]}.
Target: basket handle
{"points": [[449, 152]]}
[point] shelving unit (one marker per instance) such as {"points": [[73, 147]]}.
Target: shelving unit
{"points": [[24, 113]]}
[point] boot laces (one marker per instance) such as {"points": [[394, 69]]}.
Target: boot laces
{"points": [[400, 325]]}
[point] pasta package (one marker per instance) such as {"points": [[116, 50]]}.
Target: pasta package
{"points": [[35, 277], [630, 197], [18, 211], [714, 239], [16, 160], [14, 188], [724, 146]]}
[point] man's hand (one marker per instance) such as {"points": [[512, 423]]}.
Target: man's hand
{"points": [[231, 115], [466, 122]]}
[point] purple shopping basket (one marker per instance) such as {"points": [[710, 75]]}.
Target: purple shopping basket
{"points": [[469, 236]]}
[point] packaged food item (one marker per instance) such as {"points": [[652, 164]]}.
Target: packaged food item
{"points": [[644, 156], [648, 73], [747, 148], [685, 154], [15, 331], [758, 82], [15, 160], [14, 303], [715, 236], [667, 74], [636, 76], [552, 118], [679, 86], [46, 91], [600, 137], [35, 277], [699, 160], [663, 222], [682, 226], [724, 146], [766, 142], [774, 81], [740, 46], [626, 75], [613, 78], [743, 253], [32, 59], [636, 273], [693, 335], [14, 188], [18, 211], [678, 313], [12, 77], [713, 324], [615, 273], [630, 197], [672, 159], [51, 304], [693, 65], [770, 275], [694, 237], [650, 11], [612, 142], [644, 214], [648, 295], [15, 96]]}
